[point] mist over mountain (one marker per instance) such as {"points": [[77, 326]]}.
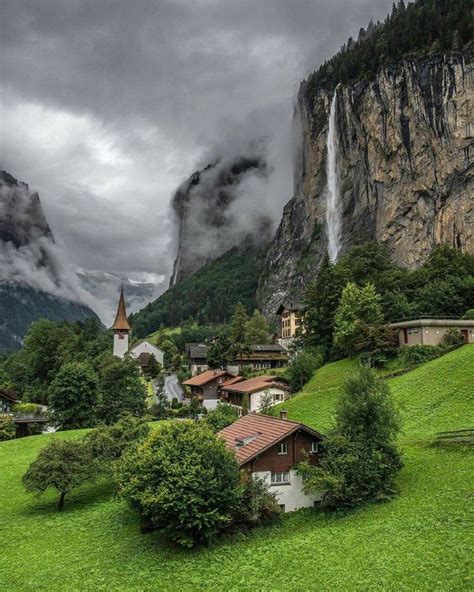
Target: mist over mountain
{"points": [[34, 281]]}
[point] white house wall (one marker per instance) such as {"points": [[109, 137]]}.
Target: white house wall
{"points": [[292, 495], [256, 398], [145, 347]]}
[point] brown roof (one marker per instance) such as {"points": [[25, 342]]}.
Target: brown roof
{"points": [[121, 322], [10, 395], [232, 380], [205, 377], [252, 385], [253, 434]]}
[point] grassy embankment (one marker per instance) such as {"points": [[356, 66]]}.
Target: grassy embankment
{"points": [[419, 541]]}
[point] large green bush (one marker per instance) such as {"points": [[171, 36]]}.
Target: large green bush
{"points": [[183, 480]]}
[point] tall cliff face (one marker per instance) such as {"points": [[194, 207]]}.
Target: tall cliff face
{"points": [[32, 282], [211, 213], [404, 161]]}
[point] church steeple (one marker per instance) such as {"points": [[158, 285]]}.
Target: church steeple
{"points": [[121, 322], [121, 328]]}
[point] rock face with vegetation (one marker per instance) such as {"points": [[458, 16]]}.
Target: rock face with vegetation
{"points": [[404, 162], [31, 285], [208, 213]]}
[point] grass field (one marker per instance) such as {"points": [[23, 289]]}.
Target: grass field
{"points": [[419, 541]]}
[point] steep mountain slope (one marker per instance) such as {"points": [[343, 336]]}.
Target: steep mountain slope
{"points": [[208, 296], [210, 213], [32, 281]]}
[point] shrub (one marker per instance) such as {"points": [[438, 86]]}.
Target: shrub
{"points": [[468, 315], [62, 465], [7, 428], [30, 408], [222, 416], [258, 504], [183, 480], [452, 337]]}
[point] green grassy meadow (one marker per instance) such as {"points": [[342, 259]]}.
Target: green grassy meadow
{"points": [[419, 541]]}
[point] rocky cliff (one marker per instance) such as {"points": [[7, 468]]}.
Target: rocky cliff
{"points": [[32, 282], [211, 213], [404, 165]]}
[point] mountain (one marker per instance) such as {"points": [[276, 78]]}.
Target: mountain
{"points": [[385, 150], [210, 215], [210, 295], [33, 283]]}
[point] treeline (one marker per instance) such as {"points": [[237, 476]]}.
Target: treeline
{"points": [[425, 27], [210, 295], [366, 285]]}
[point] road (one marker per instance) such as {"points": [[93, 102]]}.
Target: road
{"points": [[172, 388]]}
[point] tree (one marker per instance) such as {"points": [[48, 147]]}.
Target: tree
{"points": [[258, 503], [153, 369], [238, 325], [360, 459], [62, 465], [257, 329], [73, 396], [218, 353], [183, 480], [121, 390], [302, 366], [266, 403], [169, 350], [452, 337], [220, 417], [245, 404], [356, 305], [107, 443], [468, 315]]}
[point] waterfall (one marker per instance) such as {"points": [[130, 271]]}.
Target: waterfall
{"points": [[333, 213]]}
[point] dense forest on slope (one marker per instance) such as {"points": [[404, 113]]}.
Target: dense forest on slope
{"points": [[208, 296], [425, 27]]}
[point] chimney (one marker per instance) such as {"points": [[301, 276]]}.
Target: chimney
{"points": [[283, 414]]}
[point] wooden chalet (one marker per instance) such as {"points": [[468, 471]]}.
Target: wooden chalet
{"points": [[271, 448]]}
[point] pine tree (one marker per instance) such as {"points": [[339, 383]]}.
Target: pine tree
{"points": [[238, 324], [257, 329]]}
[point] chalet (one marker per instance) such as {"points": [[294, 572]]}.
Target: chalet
{"points": [[8, 399], [261, 357], [233, 391], [205, 386], [426, 331], [271, 448], [197, 357], [290, 315]]}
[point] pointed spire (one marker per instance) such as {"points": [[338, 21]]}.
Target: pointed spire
{"points": [[121, 322]]}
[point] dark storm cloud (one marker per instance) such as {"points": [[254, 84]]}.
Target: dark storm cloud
{"points": [[109, 104]]}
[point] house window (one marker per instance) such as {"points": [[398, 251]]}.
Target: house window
{"points": [[280, 478], [283, 448], [314, 447], [277, 397]]}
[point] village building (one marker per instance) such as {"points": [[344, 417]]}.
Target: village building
{"points": [[142, 350], [261, 357], [271, 448], [8, 399], [197, 357], [291, 322], [425, 331], [257, 389], [206, 386]]}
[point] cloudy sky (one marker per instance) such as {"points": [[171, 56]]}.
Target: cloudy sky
{"points": [[108, 104]]}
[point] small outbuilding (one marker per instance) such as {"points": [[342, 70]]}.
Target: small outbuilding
{"points": [[426, 331]]}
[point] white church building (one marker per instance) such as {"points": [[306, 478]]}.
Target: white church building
{"points": [[142, 350]]}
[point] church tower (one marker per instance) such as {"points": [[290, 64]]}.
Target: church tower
{"points": [[121, 329]]}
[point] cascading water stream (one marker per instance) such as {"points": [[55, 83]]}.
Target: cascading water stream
{"points": [[333, 211]]}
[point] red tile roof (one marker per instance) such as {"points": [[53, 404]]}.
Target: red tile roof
{"points": [[252, 385], [205, 377], [232, 381], [252, 434]]}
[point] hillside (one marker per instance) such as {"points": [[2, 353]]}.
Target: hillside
{"points": [[419, 541], [210, 295]]}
